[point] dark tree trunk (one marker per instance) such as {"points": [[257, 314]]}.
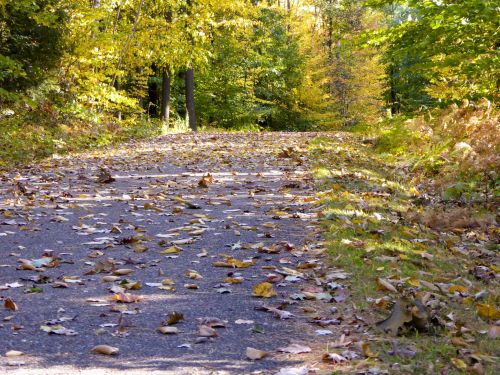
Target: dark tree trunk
{"points": [[165, 96], [190, 106]]}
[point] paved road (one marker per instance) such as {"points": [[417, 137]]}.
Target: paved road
{"points": [[76, 224]]}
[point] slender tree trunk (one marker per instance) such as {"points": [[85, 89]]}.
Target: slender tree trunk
{"points": [[165, 87], [190, 105], [96, 3], [165, 96]]}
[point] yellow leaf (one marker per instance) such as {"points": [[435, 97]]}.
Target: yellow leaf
{"points": [[414, 192], [488, 311], [264, 290], [458, 363], [457, 288], [367, 352], [171, 250], [413, 281], [233, 280]]}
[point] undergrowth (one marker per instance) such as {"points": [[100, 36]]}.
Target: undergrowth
{"points": [[414, 202], [27, 135], [456, 149], [379, 226]]}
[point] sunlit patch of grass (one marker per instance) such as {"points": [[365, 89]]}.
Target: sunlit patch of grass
{"points": [[366, 206]]}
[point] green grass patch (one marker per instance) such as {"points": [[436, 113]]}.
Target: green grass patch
{"points": [[372, 222]]}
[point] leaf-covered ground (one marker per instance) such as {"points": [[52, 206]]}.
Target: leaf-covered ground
{"points": [[186, 254], [424, 269], [205, 254]]}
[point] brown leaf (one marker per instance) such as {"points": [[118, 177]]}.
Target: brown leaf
{"points": [[9, 304], [255, 354], [105, 350], [174, 318], [384, 284], [206, 181]]}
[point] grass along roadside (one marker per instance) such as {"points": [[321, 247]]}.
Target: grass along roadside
{"points": [[378, 228]]}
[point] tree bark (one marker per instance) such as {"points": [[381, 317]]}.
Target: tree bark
{"points": [[165, 96], [190, 105], [166, 85]]}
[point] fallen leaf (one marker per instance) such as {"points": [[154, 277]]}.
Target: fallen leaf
{"points": [[282, 314], [174, 318], [168, 330], [488, 311], [458, 363], [255, 354], [233, 280], [366, 350], [125, 298], [384, 284], [206, 181], [264, 290], [122, 272], [9, 304], [14, 353], [58, 330], [206, 331], [171, 250], [193, 275], [457, 289], [105, 350]]}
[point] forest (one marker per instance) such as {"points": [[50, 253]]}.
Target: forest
{"points": [[278, 187], [93, 66]]}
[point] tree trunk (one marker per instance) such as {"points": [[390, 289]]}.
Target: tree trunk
{"points": [[190, 106], [165, 97], [96, 3]]}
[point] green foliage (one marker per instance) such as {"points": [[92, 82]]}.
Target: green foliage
{"points": [[449, 46], [30, 44], [44, 130]]}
